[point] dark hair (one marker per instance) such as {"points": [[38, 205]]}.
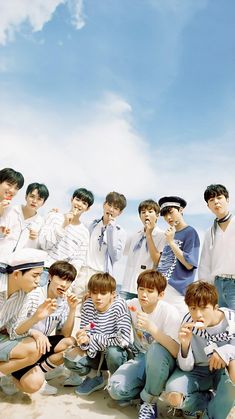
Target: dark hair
{"points": [[200, 294], [166, 210], [40, 187], [149, 204], [101, 282], [63, 269], [11, 176], [84, 195], [117, 199], [215, 190], [152, 279]]}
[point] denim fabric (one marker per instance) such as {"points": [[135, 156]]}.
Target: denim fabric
{"points": [[127, 295], [226, 291], [114, 357], [195, 386], [44, 277], [145, 375]]}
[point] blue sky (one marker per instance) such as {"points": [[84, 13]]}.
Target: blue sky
{"points": [[136, 96]]}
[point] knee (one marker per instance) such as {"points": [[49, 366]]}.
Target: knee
{"points": [[116, 390], [174, 399], [32, 381]]}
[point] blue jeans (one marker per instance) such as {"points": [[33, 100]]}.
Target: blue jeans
{"points": [[195, 386], [114, 357], [144, 376], [126, 295], [226, 291]]}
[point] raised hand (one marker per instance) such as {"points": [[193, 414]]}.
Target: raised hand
{"points": [[46, 308]]}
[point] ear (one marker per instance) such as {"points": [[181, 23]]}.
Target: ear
{"points": [[49, 278], [181, 210], [217, 307], [161, 294]]}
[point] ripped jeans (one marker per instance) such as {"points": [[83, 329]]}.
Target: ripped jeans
{"points": [[195, 386]]}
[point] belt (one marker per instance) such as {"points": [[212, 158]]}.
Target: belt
{"points": [[227, 276]]}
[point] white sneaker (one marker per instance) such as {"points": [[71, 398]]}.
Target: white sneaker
{"points": [[56, 372], [73, 380], [7, 385], [48, 390]]}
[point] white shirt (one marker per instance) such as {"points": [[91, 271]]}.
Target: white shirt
{"points": [[219, 258], [139, 259], [13, 218], [166, 318]]}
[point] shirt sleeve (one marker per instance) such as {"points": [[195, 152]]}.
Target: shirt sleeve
{"points": [[191, 248], [52, 231], [29, 307], [186, 364], [204, 270], [116, 240]]}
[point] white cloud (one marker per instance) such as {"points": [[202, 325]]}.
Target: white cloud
{"points": [[15, 13], [101, 151]]}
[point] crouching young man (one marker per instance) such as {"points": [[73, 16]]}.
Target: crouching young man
{"points": [[206, 378], [19, 274], [155, 324]]}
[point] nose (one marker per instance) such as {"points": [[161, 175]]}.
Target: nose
{"points": [[198, 314]]}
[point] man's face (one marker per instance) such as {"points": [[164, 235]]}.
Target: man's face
{"points": [[58, 286], [30, 280], [79, 206], [8, 190], [33, 200], [204, 314], [102, 300], [148, 216], [148, 298], [218, 205], [110, 211], [173, 216]]}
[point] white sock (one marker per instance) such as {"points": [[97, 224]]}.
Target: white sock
{"points": [[2, 375]]}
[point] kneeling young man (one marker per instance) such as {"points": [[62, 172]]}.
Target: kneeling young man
{"points": [[206, 357], [155, 324]]}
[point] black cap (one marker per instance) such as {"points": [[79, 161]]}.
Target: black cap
{"points": [[171, 201]]}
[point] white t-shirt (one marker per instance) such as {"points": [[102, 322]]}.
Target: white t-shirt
{"points": [[166, 318], [140, 259], [96, 253], [218, 258]]}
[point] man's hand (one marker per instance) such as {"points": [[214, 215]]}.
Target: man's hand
{"points": [[68, 218], [216, 362], [143, 323], [42, 341], [73, 301], [148, 227], [170, 234], [4, 231], [82, 337], [45, 309], [33, 234]]}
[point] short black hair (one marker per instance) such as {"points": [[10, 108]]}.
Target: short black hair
{"points": [[11, 176], [215, 190], [84, 195], [166, 210], [63, 269], [40, 187]]}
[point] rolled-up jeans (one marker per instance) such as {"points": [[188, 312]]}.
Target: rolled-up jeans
{"points": [[226, 291], [144, 376], [195, 385]]}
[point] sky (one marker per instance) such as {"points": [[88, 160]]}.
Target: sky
{"points": [[136, 96]]}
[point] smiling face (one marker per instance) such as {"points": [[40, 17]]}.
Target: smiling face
{"points": [[218, 205], [8, 190], [78, 206], [58, 286], [29, 280], [102, 300]]}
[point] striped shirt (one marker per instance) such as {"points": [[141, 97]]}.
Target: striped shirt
{"points": [[53, 322], [111, 328], [9, 307], [69, 243]]}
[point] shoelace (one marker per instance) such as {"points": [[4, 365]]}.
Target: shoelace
{"points": [[146, 407]]}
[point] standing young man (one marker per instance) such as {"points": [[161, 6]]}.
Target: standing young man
{"points": [[179, 258], [217, 263]]}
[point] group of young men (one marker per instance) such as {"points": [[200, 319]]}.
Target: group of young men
{"points": [[164, 336]]}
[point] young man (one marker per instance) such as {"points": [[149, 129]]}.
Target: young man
{"points": [[10, 182], [217, 263], [23, 221], [179, 258], [206, 378], [143, 248], [155, 325], [103, 336], [107, 242], [49, 309], [20, 274], [63, 236]]}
